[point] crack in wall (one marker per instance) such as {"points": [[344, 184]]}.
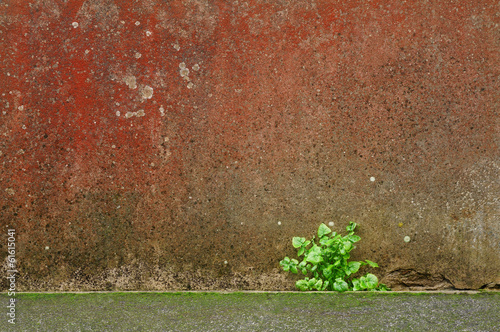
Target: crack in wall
{"points": [[409, 279]]}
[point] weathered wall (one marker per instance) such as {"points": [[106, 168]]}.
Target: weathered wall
{"points": [[159, 144]]}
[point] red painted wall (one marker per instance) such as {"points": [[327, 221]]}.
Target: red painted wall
{"points": [[181, 144]]}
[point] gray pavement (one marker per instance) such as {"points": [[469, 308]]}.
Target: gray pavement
{"points": [[254, 311]]}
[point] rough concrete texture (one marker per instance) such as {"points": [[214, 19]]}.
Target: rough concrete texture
{"points": [[157, 144]]}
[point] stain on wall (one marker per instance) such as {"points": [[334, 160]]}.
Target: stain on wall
{"points": [[182, 144]]}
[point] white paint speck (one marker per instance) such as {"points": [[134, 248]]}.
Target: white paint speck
{"points": [[117, 113], [87, 51], [176, 46], [137, 55], [21, 108], [137, 23], [407, 239], [148, 33], [47, 248], [331, 223], [279, 223], [225, 262], [24, 127], [162, 111], [75, 24], [182, 65], [190, 85], [372, 179], [196, 67]]}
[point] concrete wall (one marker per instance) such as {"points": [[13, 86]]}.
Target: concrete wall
{"points": [[158, 144]]}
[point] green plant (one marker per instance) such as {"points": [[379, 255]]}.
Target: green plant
{"points": [[328, 262]]}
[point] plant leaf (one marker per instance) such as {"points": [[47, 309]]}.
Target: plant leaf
{"points": [[383, 288], [298, 241], [323, 230], [353, 267], [354, 238], [351, 227], [327, 273], [302, 285], [348, 246], [372, 264], [324, 241], [340, 285], [311, 283], [371, 281], [356, 285], [362, 282], [301, 251], [314, 255], [285, 263], [330, 242], [318, 284]]}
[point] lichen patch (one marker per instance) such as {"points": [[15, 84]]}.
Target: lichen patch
{"points": [[130, 81], [138, 114], [147, 92]]}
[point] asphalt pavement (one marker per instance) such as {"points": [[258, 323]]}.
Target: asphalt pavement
{"points": [[252, 311]]}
